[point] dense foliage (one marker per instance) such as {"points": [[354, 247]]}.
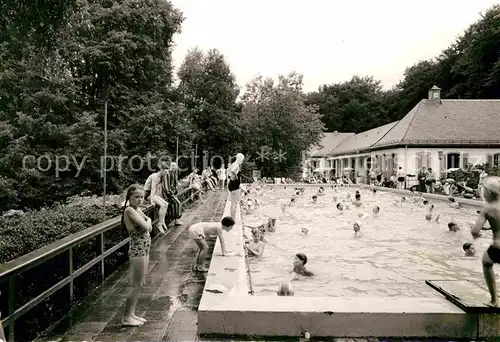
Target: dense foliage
{"points": [[61, 64]]}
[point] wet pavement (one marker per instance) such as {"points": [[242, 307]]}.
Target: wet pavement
{"points": [[170, 299]]}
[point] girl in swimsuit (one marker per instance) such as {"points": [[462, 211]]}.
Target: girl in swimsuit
{"points": [[234, 182], [138, 226]]}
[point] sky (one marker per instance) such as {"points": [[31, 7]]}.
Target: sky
{"points": [[328, 41]]}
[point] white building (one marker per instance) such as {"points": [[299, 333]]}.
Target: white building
{"points": [[436, 133], [316, 160]]}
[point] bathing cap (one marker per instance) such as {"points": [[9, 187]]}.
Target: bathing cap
{"points": [[302, 257], [240, 157], [492, 187]]}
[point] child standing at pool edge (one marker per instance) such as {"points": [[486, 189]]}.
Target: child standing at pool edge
{"points": [[490, 212], [200, 230]]}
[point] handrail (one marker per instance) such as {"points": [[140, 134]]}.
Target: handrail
{"points": [[247, 263], [38, 256], [25, 262]]}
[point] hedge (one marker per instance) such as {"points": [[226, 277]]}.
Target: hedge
{"points": [[23, 234]]}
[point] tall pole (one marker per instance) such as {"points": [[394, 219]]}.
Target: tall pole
{"points": [[177, 152], [196, 155], [105, 156]]}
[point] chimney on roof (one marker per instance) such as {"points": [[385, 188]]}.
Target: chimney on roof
{"points": [[435, 95], [335, 132]]}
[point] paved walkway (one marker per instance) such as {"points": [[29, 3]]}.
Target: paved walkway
{"points": [[169, 301]]}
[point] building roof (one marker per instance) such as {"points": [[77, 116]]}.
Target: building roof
{"points": [[362, 141], [447, 122], [328, 143]]}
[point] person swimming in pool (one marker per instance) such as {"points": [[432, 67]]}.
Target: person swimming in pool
{"points": [[490, 213], [299, 263], [454, 203], [304, 231], [428, 216], [453, 227], [255, 248], [376, 210], [357, 199], [314, 199], [285, 289], [340, 207], [469, 249], [356, 227]]}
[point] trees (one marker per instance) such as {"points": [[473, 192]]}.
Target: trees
{"points": [[209, 92], [279, 125], [352, 106], [53, 87]]}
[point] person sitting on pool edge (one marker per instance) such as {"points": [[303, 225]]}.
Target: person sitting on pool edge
{"points": [[200, 230], [469, 249], [299, 263], [490, 213]]}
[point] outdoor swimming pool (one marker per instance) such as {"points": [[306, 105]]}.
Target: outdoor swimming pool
{"points": [[393, 255]]}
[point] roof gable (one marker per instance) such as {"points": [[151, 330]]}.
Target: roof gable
{"points": [[447, 122], [328, 142], [363, 141]]}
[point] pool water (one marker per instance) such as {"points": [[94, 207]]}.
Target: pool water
{"points": [[393, 254]]}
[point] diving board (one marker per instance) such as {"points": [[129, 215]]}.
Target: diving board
{"points": [[464, 294]]}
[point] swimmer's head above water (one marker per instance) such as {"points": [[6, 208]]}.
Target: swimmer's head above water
{"points": [[340, 206], [314, 198], [453, 227], [357, 197], [469, 249], [356, 227], [300, 259], [285, 289], [376, 209]]}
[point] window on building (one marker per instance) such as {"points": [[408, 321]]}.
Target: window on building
{"points": [[423, 159], [496, 160], [453, 160]]}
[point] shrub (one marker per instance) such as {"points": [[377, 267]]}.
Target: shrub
{"points": [[35, 229]]}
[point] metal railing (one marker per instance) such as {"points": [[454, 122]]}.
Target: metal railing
{"points": [[13, 268]]}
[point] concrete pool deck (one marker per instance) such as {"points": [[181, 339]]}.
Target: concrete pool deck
{"points": [[226, 306]]}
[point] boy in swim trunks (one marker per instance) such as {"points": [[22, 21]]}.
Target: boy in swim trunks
{"points": [[199, 232], [490, 213]]}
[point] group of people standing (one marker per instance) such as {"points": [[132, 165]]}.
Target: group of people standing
{"points": [[426, 180], [161, 190]]}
